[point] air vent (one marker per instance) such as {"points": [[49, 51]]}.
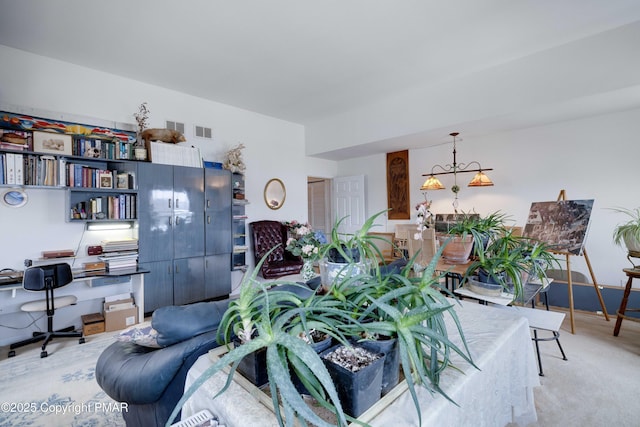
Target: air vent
{"points": [[175, 126], [203, 132]]}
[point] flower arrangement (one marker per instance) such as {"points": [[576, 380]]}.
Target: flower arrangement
{"points": [[234, 161], [424, 219], [303, 240]]}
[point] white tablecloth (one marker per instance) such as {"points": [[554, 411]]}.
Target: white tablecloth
{"points": [[499, 393]]}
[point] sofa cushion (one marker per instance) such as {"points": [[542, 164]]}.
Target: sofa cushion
{"points": [[178, 323], [142, 334]]}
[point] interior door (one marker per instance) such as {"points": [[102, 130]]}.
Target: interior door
{"points": [[349, 203]]}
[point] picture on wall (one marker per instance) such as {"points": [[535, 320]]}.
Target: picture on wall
{"points": [[398, 185], [562, 224], [53, 143]]}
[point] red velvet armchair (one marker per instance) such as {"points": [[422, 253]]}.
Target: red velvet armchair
{"points": [[264, 236]]}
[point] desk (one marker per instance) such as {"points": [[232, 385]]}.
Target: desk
{"points": [[499, 393], [89, 287]]}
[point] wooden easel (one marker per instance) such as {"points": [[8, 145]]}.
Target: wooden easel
{"points": [[562, 196]]}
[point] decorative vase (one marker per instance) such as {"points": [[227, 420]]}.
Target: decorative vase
{"points": [[140, 153], [457, 249], [307, 270]]}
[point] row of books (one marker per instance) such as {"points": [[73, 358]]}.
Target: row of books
{"points": [[119, 254], [102, 149], [122, 206], [22, 169], [34, 169], [78, 175]]}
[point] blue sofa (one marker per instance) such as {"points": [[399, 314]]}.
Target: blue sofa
{"points": [[151, 380]]}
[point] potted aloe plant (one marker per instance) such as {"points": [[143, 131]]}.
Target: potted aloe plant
{"points": [[508, 262]]}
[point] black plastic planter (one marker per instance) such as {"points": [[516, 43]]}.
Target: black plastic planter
{"points": [[391, 369], [335, 256], [359, 390], [254, 367], [318, 347]]}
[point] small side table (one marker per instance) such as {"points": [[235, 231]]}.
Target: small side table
{"points": [[631, 273]]}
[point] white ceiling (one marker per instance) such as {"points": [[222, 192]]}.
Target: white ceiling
{"points": [[302, 60]]}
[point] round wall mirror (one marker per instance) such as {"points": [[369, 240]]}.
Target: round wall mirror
{"points": [[14, 198], [274, 193]]}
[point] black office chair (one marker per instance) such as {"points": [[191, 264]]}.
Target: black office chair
{"points": [[47, 278]]}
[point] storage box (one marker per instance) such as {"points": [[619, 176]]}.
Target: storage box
{"points": [[92, 323], [120, 314]]}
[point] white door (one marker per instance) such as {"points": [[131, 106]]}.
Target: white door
{"points": [[349, 203]]}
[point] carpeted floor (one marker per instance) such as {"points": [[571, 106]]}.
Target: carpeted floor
{"points": [[59, 390], [596, 386], [599, 383]]}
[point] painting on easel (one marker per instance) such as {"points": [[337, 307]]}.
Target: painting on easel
{"points": [[562, 224]]}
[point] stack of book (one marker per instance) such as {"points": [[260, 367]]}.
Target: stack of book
{"points": [[120, 254]]}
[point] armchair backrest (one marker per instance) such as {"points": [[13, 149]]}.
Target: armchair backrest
{"points": [[266, 235]]}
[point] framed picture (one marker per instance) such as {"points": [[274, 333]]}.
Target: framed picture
{"points": [[105, 179], [562, 224], [53, 143], [398, 185]]}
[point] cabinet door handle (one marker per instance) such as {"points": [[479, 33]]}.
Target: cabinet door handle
{"points": [[208, 203], [171, 221], [177, 220], [169, 203], [169, 270], [206, 263], [208, 219], [177, 269], [177, 203]]}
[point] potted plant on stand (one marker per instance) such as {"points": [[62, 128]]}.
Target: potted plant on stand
{"points": [[629, 232]]}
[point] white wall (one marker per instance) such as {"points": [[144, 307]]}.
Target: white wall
{"points": [[591, 158], [274, 148]]}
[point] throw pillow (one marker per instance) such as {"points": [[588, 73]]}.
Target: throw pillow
{"points": [[142, 334]]}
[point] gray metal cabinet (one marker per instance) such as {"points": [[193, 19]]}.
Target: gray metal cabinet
{"points": [[188, 210], [217, 196], [155, 212], [184, 214], [158, 285], [188, 280], [217, 275]]}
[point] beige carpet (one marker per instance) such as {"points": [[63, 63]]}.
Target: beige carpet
{"points": [[599, 384]]}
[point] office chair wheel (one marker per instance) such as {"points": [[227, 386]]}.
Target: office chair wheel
{"points": [[12, 353], [81, 341], [43, 354]]}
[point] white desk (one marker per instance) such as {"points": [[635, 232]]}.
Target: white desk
{"points": [[499, 393]]}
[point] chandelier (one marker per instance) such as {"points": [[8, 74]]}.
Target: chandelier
{"points": [[479, 180]]}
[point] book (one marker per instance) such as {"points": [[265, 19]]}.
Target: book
{"points": [[10, 168]]}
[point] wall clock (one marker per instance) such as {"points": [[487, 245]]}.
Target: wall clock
{"points": [[15, 198]]}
